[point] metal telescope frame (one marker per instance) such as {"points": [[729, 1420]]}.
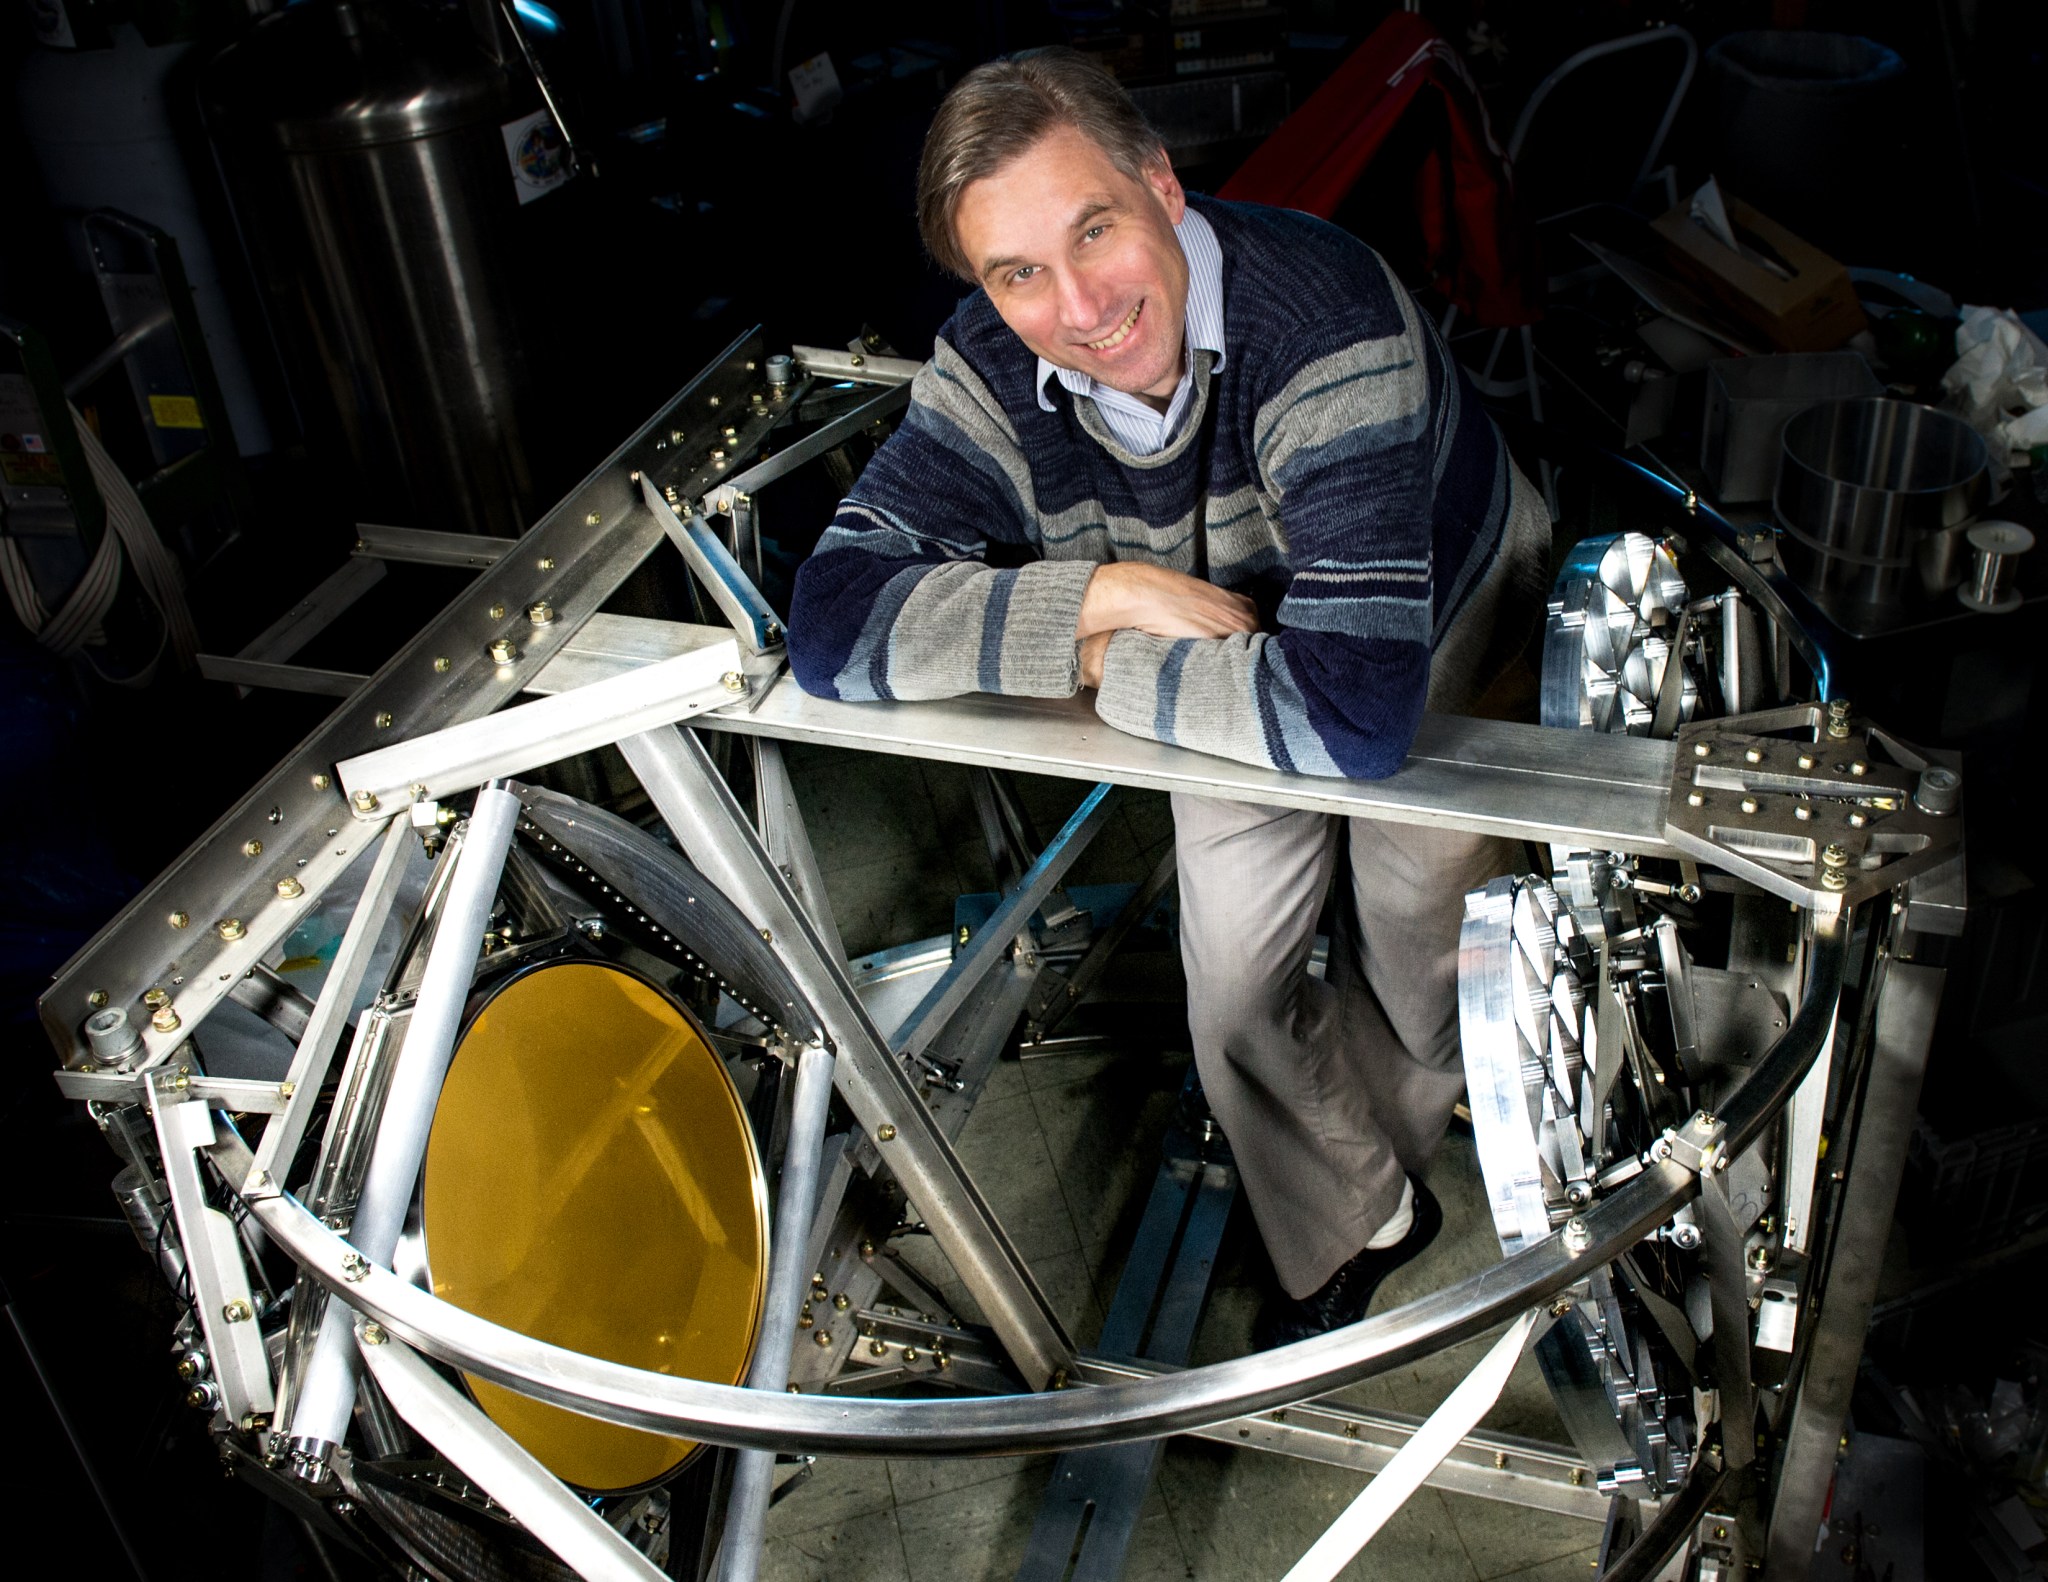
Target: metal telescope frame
{"points": [[445, 716]]}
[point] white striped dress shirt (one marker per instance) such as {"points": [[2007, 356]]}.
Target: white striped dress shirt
{"points": [[1139, 428]]}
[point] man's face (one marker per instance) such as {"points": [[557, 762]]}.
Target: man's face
{"points": [[1081, 260]]}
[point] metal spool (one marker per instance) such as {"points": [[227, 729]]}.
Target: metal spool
{"points": [[1614, 613], [589, 1141]]}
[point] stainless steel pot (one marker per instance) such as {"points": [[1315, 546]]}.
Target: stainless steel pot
{"points": [[1874, 494]]}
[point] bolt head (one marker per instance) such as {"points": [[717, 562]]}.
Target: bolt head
{"points": [[541, 613], [1835, 856], [1806, 760], [180, 919], [252, 848], [230, 928], [373, 1335], [497, 612], [593, 519], [1749, 804], [841, 1302], [1802, 812], [503, 651], [237, 1311], [884, 1133], [823, 1337], [383, 719], [1753, 755], [290, 889], [1859, 769], [153, 997], [1695, 799], [165, 1020], [1702, 750], [1834, 879], [365, 801]]}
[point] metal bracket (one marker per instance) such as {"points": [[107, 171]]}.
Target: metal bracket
{"points": [[1696, 1145]]}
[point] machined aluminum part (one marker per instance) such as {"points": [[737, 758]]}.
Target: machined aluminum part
{"points": [[1615, 613], [1530, 1050]]}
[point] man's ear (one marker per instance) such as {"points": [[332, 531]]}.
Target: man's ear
{"points": [[1160, 178]]}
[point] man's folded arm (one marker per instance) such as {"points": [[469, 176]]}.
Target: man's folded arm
{"points": [[899, 601]]}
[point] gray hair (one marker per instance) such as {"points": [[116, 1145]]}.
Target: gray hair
{"points": [[998, 111]]}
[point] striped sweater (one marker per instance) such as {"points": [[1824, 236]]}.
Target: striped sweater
{"points": [[1339, 471]]}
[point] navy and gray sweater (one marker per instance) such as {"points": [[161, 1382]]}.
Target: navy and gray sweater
{"points": [[1338, 470]]}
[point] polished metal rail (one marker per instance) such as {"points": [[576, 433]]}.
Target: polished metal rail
{"points": [[1073, 1418]]}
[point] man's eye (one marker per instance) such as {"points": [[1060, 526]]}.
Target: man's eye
{"points": [[1092, 232], [1019, 276]]}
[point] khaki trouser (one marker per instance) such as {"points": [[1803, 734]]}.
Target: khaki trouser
{"points": [[1331, 1090]]}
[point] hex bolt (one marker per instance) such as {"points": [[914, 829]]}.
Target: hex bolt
{"points": [[1577, 1236], [321, 782], [156, 996], [290, 889], [1802, 812], [237, 1311], [354, 1266], [1859, 769], [365, 801], [230, 928], [252, 848], [884, 1133], [373, 1335], [165, 1020], [1835, 856], [541, 613], [503, 651], [1834, 879]]}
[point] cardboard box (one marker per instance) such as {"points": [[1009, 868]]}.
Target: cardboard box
{"points": [[1814, 311]]}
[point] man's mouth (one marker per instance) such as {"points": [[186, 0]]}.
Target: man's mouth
{"points": [[1120, 334]]}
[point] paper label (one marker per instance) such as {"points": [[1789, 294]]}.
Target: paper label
{"points": [[816, 86], [539, 156], [174, 411]]}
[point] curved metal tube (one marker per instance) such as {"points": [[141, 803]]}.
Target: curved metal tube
{"points": [[1069, 1419]]}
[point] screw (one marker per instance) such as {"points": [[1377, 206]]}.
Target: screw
{"points": [[373, 1335], [230, 928], [252, 848], [503, 651], [354, 1266], [1561, 1307], [1702, 750], [941, 1361], [196, 1396], [165, 1020], [594, 519], [1694, 799], [1753, 755], [824, 1337], [910, 1354], [1500, 1457], [840, 1301], [1578, 1477], [155, 997], [1834, 879], [284, 1091], [1692, 500], [1749, 804], [188, 1370], [885, 1133], [1802, 812], [237, 1311], [1350, 1430], [859, 361], [1857, 820], [290, 889], [804, 1319], [547, 562], [365, 801], [675, 436], [497, 612], [441, 663], [867, 1248], [877, 1349], [383, 719], [1835, 856], [1806, 760]]}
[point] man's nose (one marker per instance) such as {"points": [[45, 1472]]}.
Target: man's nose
{"points": [[1082, 302]]}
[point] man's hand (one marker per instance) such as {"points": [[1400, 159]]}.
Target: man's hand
{"points": [[1164, 603], [1092, 651]]}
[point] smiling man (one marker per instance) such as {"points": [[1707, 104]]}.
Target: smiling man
{"points": [[1210, 461]]}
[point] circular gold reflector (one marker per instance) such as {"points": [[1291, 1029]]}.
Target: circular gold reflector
{"points": [[591, 1181]]}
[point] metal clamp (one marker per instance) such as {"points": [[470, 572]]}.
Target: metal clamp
{"points": [[1696, 1145]]}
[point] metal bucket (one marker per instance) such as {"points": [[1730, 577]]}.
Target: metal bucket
{"points": [[1875, 494]]}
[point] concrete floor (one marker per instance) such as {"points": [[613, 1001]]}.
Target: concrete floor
{"points": [[1064, 1148]]}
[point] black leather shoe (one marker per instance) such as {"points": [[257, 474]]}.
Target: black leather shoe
{"points": [[1345, 1296]]}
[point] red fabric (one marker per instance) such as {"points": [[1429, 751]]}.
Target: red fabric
{"points": [[1481, 254]]}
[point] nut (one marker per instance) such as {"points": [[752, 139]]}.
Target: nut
{"points": [[365, 801], [503, 651], [290, 889], [541, 613], [165, 1020], [373, 1335], [733, 681], [230, 928], [237, 1311], [155, 997]]}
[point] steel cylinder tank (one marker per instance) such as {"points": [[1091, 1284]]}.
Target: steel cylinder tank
{"points": [[395, 187]]}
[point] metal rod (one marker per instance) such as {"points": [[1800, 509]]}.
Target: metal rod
{"points": [[698, 806], [753, 1482], [328, 1389], [993, 939]]}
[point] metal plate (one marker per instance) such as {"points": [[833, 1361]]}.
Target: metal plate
{"points": [[591, 1180]]}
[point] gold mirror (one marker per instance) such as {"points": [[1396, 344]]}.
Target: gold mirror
{"points": [[591, 1181]]}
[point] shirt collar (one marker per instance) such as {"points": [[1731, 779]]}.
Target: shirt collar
{"points": [[1204, 315]]}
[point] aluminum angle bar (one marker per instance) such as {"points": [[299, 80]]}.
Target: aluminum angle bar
{"points": [[239, 1095], [443, 675], [731, 589], [814, 444], [994, 939], [518, 740], [829, 362], [221, 1295], [308, 1071], [699, 809], [534, 1496], [278, 676], [423, 546]]}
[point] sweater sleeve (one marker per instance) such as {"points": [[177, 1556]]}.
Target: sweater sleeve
{"points": [[1345, 444], [898, 600]]}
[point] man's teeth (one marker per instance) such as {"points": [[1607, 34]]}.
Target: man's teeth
{"points": [[1109, 342]]}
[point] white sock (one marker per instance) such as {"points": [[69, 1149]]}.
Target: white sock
{"points": [[1399, 1225]]}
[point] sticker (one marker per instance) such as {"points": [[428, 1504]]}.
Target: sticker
{"points": [[174, 411], [540, 159], [816, 85], [33, 444], [29, 472]]}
